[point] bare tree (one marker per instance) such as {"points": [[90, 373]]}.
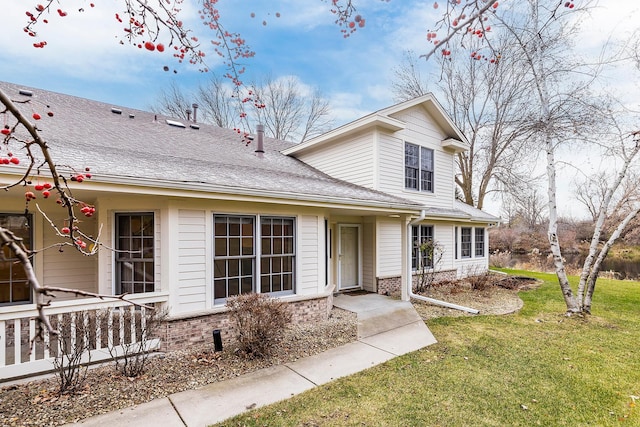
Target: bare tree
{"points": [[172, 102], [286, 108], [213, 100], [489, 101]]}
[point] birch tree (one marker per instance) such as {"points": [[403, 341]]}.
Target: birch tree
{"points": [[544, 31]]}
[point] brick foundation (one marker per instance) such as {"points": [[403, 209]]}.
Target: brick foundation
{"points": [[392, 285], [181, 333]]}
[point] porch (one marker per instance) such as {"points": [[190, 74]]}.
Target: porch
{"points": [[103, 327]]}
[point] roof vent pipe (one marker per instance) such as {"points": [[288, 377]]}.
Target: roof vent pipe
{"points": [[260, 148], [188, 111], [195, 110]]}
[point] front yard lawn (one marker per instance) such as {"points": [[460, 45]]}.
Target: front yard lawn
{"points": [[535, 367]]}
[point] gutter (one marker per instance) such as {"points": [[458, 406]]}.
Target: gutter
{"points": [[410, 293]]}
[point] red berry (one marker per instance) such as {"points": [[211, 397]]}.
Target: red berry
{"points": [[88, 175], [5, 131], [160, 47], [46, 185], [36, 116], [80, 178], [15, 160], [150, 46], [38, 187], [50, 113], [65, 230], [495, 5], [39, 8], [46, 194], [29, 195]]}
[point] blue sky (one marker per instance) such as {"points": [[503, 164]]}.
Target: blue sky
{"points": [[83, 56]]}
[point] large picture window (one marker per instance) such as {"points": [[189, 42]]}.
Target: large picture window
{"points": [[238, 243], [14, 287], [465, 242], [422, 238], [135, 253], [479, 242], [418, 167]]}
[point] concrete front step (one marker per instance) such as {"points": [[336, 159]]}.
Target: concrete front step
{"points": [[377, 313]]}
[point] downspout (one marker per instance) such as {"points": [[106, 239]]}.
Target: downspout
{"points": [[423, 213]]}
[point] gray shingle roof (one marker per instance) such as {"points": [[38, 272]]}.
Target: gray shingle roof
{"points": [[116, 147]]}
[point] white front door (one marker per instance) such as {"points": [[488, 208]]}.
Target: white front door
{"points": [[349, 257]]}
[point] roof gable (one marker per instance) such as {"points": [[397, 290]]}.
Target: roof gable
{"points": [[384, 119]]}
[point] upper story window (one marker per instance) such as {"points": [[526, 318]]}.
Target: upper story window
{"points": [[135, 254], [14, 286], [418, 167]]}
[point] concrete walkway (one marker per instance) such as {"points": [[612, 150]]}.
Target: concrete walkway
{"points": [[387, 328]]}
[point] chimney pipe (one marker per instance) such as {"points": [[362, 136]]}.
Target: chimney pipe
{"points": [[195, 110], [260, 148]]}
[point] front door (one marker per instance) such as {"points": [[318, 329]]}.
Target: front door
{"points": [[349, 257]]}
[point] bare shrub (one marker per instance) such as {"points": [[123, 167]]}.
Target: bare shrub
{"points": [[260, 322], [139, 327], [430, 255], [479, 280], [500, 259], [72, 350]]}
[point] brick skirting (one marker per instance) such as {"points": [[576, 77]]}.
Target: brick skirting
{"points": [[392, 285], [181, 333]]}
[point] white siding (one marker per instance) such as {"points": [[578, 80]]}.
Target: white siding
{"points": [[368, 257], [192, 260], [309, 255], [389, 256], [351, 160], [421, 130], [69, 268]]}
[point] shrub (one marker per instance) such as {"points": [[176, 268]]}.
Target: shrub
{"points": [[130, 359], [260, 322], [71, 347], [500, 259], [479, 279]]}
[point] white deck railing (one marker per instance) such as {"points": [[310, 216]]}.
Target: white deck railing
{"points": [[109, 330]]}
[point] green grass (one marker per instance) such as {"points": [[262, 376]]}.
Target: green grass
{"points": [[536, 367]]}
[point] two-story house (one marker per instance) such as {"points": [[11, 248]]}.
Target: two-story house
{"points": [[187, 215]]}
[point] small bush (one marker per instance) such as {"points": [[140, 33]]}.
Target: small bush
{"points": [[260, 322], [479, 279], [71, 347], [500, 259], [130, 359]]}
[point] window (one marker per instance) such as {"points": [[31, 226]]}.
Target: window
{"points": [[418, 167], [135, 266], [465, 242], [277, 257], [479, 242], [234, 256], [237, 246], [455, 240], [14, 287], [421, 235]]}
